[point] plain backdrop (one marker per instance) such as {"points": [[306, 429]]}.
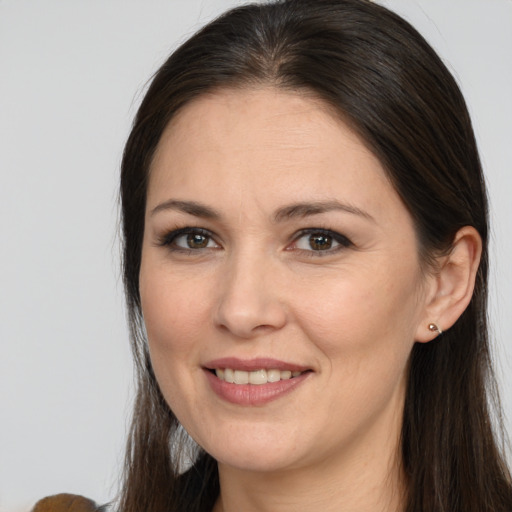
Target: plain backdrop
{"points": [[72, 73]]}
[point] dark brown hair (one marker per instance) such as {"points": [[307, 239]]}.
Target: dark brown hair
{"points": [[380, 75]]}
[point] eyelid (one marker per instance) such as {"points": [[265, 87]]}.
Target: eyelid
{"points": [[342, 241], [169, 237]]}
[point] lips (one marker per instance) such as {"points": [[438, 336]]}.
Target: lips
{"points": [[255, 381], [254, 364]]}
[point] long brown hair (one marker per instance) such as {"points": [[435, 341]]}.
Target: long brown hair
{"points": [[381, 76]]}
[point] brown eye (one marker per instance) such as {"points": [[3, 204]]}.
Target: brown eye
{"points": [[197, 241], [189, 239], [320, 241]]}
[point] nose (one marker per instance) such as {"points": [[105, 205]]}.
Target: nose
{"points": [[250, 299]]}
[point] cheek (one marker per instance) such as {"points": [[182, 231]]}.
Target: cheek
{"points": [[174, 319], [364, 332], [173, 312], [363, 314]]}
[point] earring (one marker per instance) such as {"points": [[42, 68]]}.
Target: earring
{"points": [[434, 328]]}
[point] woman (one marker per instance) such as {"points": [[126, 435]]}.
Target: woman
{"points": [[305, 260]]}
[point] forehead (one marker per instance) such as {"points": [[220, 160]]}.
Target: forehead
{"points": [[280, 146]]}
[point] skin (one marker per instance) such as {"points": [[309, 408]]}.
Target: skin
{"points": [[350, 313]]}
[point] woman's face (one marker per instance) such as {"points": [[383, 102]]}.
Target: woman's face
{"points": [[276, 252]]}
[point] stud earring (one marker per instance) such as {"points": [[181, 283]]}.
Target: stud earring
{"points": [[434, 328]]}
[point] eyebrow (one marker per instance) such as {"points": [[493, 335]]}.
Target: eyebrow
{"points": [[190, 207], [297, 210], [305, 209]]}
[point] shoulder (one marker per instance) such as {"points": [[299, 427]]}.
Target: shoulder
{"points": [[65, 503]]}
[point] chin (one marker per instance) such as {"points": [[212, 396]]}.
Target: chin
{"points": [[258, 451], [255, 460]]}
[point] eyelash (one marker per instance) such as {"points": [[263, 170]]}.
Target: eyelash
{"points": [[170, 238], [342, 241]]}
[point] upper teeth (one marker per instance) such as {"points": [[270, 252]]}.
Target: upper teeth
{"points": [[257, 377]]}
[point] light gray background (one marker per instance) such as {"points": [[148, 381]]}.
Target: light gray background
{"points": [[71, 76]]}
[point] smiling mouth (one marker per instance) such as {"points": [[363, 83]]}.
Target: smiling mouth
{"points": [[256, 377]]}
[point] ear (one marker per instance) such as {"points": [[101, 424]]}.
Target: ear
{"points": [[450, 288]]}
